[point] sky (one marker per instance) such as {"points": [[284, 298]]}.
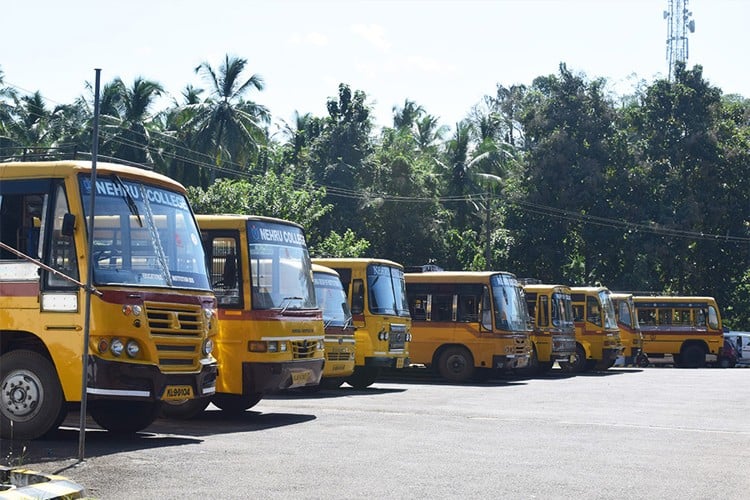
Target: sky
{"points": [[445, 55]]}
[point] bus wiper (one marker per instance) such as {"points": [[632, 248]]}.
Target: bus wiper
{"points": [[287, 301], [128, 199]]}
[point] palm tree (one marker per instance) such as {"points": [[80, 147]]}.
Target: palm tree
{"points": [[227, 127], [126, 118]]}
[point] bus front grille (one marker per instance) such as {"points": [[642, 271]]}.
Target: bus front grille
{"points": [[397, 337], [177, 330], [304, 349]]}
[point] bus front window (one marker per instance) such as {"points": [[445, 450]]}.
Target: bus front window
{"points": [[510, 307], [280, 267], [387, 290], [143, 235]]}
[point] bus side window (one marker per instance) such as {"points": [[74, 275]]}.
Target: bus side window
{"points": [[358, 296], [713, 318], [593, 315], [418, 308], [468, 309], [577, 312], [486, 310], [62, 254]]}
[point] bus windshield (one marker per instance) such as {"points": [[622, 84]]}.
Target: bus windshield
{"points": [[280, 267], [332, 300], [510, 307], [143, 235], [387, 290], [610, 320]]}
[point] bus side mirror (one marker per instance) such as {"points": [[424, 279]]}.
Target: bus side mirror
{"points": [[68, 224]]}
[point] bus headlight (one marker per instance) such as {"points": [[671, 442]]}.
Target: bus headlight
{"points": [[273, 347], [282, 346], [208, 347], [383, 335], [116, 347], [132, 348]]}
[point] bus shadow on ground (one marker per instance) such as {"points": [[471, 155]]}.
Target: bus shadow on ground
{"points": [[343, 391], [63, 443]]}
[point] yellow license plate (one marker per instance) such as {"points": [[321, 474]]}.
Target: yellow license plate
{"points": [[300, 378], [177, 392], [399, 362]]}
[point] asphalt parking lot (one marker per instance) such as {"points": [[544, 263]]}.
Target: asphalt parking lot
{"points": [[625, 433]]}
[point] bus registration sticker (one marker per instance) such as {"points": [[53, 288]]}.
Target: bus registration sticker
{"points": [[177, 392], [300, 377]]}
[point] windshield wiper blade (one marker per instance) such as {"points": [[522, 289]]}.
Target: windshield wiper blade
{"points": [[128, 199], [287, 301]]}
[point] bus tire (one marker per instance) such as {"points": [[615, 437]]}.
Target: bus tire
{"points": [[31, 400], [363, 377], [456, 364], [692, 356], [124, 417], [577, 364], [236, 403], [186, 409]]}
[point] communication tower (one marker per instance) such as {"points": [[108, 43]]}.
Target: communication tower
{"points": [[678, 24]]}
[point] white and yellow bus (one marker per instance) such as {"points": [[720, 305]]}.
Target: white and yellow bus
{"points": [[553, 336], [339, 327], [467, 323], [376, 293], [152, 313], [270, 327]]}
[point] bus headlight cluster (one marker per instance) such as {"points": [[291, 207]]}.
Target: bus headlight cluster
{"points": [[270, 346], [116, 347], [132, 309], [321, 345], [408, 337], [383, 335], [209, 314], [208, 347]]}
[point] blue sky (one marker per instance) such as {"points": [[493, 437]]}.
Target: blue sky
{"points": [[443, 54]]}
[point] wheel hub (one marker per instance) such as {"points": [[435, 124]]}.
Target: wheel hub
{"points": [[20, 395]]}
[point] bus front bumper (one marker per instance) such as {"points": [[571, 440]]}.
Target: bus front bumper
{"points": [[118, 380], [268, 378], [510, 362]]}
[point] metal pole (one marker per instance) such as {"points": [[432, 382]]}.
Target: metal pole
{"points": [[90, 274]]}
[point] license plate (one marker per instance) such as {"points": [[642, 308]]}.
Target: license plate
{"points": [[177, 392], [300, 378], [399, 362]]}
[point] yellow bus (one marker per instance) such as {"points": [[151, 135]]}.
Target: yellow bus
{"points": [[339, 328], [270, 327], [152, 313], [553, 336], [376, 293], [630, 331], [597, 335], [467, 323], [687, 328]]}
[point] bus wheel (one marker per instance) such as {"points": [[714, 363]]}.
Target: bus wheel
{"points": [[692, 356], [642, 360], [236, 403], [185, 409], [456, 364], [31, 399], [124, 417], [577, 364], [363, 377]]}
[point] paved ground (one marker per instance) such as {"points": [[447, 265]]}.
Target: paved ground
{"points": [[625, 433]]}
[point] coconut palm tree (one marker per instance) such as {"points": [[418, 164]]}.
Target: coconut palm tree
{"points": [[227, 127]]}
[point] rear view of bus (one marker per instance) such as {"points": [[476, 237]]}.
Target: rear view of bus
{"points": [[597, 335], [630, 331], [339, 328], [551, 311], [377, 298], [270, 328], [686, 328], [152, 316]]}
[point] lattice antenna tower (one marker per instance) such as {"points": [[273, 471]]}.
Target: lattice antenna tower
{"points": [[678, 25]]}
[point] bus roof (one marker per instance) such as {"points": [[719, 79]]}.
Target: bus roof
{"points": [[65, 168], [541, 287], [234, 221], [317, 268], [354, 261], [456, 276]]}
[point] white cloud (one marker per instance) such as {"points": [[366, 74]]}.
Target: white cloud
{"points": [[312, 38], [373, 34]]}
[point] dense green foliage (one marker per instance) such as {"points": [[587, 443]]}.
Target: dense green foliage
{"points": [[559, 180]]}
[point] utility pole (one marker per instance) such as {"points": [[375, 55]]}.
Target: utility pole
{"points": [[678, 24]]}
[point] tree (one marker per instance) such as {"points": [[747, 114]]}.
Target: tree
{"points": [[226, 127]]}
